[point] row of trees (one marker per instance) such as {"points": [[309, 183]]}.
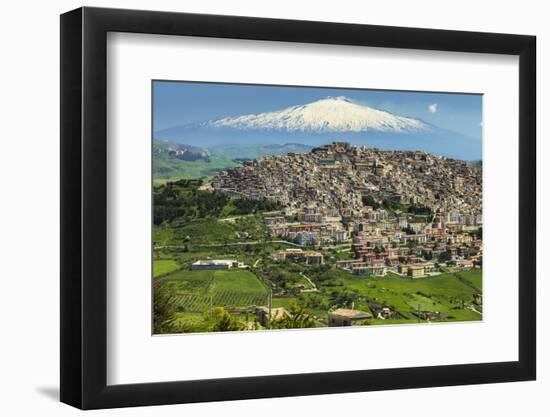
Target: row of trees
{"points": [[183, 199], [388, 204]]}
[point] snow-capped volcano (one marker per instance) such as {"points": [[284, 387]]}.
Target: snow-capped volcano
{"points": [[331, 114], [321, 122]]}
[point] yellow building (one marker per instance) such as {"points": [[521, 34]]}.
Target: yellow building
{"points": [[416, 271], [314, 258], [403, 269]]}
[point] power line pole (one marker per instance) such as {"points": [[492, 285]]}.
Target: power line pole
{"points": [[270, 299]]}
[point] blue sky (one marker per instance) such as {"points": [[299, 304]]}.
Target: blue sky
{"points": [[178, 103]]}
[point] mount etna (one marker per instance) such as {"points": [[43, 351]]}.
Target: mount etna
{"points": [[322, 122]]}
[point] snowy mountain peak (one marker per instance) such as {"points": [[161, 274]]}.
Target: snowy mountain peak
{"points": [[331, 99], [331, 114]]}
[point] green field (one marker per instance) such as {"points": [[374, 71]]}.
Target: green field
{"points": [[220, 232], [174, 169], [164, 266], [196, 294], [445, 294], [168, 169], [189, 282], [474, 276], [197, 290], [314, 304], [237, 280], [163, 236], [446, 297]]}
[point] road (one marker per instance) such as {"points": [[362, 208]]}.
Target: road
{"points": [[313, 286], [233, 218], [215, 245]]}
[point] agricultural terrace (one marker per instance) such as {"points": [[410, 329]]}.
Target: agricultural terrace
{"points": [[197, 291]]}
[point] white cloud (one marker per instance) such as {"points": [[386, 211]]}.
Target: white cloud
{"points": [[432, 108]]}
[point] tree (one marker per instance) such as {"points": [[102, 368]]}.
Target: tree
{"points": [[298, 319], [343, 298], [368, 200], [421, 210], [164, 308], [477, 234], [223, 321], [444, 257], [408, 230]]}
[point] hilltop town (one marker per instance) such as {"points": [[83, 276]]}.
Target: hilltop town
{"points": [[341, 192], [334, 179]]}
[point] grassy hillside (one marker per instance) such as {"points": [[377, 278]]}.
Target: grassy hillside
{"points": [[444, 294], [474, 277], [167, 168], [174, 169], [163, 267]]}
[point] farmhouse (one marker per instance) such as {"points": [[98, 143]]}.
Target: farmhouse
{"points": [[347, 317], [203, 264]]}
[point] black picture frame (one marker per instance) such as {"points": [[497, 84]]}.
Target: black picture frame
{"points": [[84, 207]]}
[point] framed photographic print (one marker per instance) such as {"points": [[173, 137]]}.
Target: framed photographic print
{"points": [[257, 208]]}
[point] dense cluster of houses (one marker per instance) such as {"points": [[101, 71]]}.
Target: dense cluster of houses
{"points": [[335, 178], [381, 240], [307, 227], [412, 248], [341, 193]]}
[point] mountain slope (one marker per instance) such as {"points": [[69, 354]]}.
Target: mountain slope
{"points": [[175, 161], [169, 150], [328, 115]]}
